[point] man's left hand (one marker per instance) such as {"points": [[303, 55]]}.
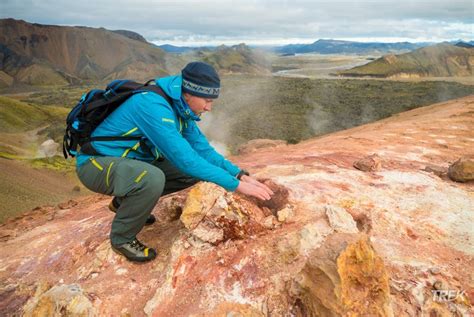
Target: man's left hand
{"points": [[251, 180]]}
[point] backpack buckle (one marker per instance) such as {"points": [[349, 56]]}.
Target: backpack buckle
{"points": [[108, 93]]}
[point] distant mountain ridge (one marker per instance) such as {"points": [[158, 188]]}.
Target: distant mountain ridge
{"points": [[226, 59], [465, 44], [176, 49], [184, 49], [441, 60], [329, 46], [38, 54], [234, 59]]}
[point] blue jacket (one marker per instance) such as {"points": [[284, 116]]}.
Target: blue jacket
{"points": [[169, 131]]}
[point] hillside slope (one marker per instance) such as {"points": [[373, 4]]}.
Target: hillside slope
{"points": [[27, 178], [38, 54], [24, 126], [347, 242], [442, 60], [26, 184], [17, 116]]}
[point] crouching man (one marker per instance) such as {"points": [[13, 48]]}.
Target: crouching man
{"points": [[172, 155]]}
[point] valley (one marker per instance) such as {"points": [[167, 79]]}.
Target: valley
{"points": [[298, 101], [316, 65]]}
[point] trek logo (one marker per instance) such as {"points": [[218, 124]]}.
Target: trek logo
{"points": [[447, 295]]}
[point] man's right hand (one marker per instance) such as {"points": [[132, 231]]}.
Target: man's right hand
{"points": [[255, 189]]}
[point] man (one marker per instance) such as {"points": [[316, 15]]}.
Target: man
{"points": [[172, 155]]}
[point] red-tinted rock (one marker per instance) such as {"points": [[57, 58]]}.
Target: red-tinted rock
{"points": [[371, 163], [254, 265], [213, 215], [462, 170]]}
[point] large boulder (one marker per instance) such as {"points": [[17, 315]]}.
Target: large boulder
{"points": [[344, 277], [214, 215], [462, 170]]}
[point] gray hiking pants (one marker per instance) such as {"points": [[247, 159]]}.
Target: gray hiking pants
{"points": [[137, 185]]}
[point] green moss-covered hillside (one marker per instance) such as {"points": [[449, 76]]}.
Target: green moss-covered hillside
{"points": [[17, 116]]}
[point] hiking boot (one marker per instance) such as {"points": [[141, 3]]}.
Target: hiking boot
{"points": [[135, 251], [114, 205]]}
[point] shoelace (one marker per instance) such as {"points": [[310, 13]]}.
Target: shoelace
{"points": [[137, 245]]}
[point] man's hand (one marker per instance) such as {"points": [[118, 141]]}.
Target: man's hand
{"points": [[252, 187]]}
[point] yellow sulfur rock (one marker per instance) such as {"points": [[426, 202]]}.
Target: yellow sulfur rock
{"points": [[200, 200], [364, 289]]}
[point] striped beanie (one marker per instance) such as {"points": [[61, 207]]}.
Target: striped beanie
{"points": [[201, 79]]}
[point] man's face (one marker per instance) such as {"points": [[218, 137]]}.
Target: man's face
{"points": [[198, 105]]}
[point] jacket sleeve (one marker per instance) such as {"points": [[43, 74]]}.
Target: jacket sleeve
{"points": [[200, 144], [156, 120]]}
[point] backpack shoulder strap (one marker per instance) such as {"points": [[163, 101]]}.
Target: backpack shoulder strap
{"points": [[158, 90]]}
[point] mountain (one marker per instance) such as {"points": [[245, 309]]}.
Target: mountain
{"points": [[464, 44], [234, 59], [226, 59], [177, 49], [131, 35], [348, 47], [184, 49], [39, 54], [441, 60], [333, 241]]}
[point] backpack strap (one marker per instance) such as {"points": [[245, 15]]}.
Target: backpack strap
{"points": [[157, 90], [117, 96]]}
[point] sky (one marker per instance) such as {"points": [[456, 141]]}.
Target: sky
{"points": [[259, 22]]}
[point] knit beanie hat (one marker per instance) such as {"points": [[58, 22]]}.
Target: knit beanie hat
{"points": [[201, 79]]}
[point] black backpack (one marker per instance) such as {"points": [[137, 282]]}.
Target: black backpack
{"points": [[93, 108]]}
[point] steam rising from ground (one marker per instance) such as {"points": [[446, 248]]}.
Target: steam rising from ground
{"points": [[213, 127], [220, 147], [294, 109], [231, 112], [215, 131], [320, 120]]}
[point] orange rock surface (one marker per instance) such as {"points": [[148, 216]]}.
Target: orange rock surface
{"points": [[335, 241]]}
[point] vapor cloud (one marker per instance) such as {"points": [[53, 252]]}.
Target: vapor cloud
{"points": [[258, 21]]}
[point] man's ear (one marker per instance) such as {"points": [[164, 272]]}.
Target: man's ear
{"points": [[186, 96]]}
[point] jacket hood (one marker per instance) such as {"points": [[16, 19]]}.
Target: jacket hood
{"points": [[171, 85]]}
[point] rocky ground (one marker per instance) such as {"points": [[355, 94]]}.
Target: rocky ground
{"points": [[364, 222]]}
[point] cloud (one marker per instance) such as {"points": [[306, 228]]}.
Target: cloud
{"points": [[205, 20]]}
